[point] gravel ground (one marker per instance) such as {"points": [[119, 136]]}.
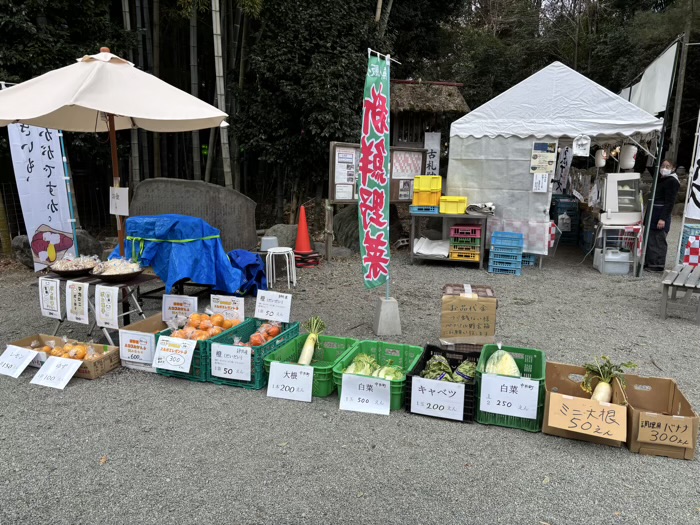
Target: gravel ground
{"points": [[134, 447]]}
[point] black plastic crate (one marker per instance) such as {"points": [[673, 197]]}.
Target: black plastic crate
{"points": [[454, 354]]}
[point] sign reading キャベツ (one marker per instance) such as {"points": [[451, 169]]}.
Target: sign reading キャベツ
{"points": [[374, 177]]}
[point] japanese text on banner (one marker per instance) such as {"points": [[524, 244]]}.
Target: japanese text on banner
{"points": [[373, 182], [38, 163]]}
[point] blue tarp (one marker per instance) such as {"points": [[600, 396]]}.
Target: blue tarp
{"points": [[253, 268], [202, 260]]}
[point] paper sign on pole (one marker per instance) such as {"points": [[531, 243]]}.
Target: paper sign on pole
{"points": [[56, 372], [365, 394], [15, 359], [138, 347], [174, 305], [586, 416], [77, 302], [273, 306], [106, 310], [231, 362], [50, 297], [230, 307], [288, 381], [437, 398], [41, 184], [509, 396], [540, 183], [119, 201], [174, 354], [674, 431]]}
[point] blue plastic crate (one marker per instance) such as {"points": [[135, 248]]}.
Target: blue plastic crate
{"points": [[424, 210], [505, 271], [507, 239], [504, 264], [530, 259], [506, 249], [510, 257]]}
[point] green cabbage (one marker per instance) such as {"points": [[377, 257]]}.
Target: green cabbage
{"points": [[465, 372], [439, 369]]}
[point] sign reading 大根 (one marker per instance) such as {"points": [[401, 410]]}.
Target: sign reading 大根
{"points": [[373, 181], [289, 381]]}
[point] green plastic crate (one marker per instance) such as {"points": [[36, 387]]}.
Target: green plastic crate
{"points": [[198, 368], [406, 356], [258, 376], [328, 352], [532, 365]]}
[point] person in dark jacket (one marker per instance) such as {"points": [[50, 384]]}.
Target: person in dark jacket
{"points": [[661, 210]]}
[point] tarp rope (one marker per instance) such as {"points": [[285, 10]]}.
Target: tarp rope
{"points": [[142, 243]]}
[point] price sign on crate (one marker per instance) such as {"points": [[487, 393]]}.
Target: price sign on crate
{"points": [[174, 354], [365, 394], [228, 306], [509, 396], [174, 305], [137, 347], [56, 372], [437, 398], [230, 362], [289, 381], [273, 306], [15, 359]]}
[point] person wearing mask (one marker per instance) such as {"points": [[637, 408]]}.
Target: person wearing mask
{"points": [[661, 210]]}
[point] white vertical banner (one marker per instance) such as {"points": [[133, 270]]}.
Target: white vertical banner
{"points": [[41, 183], [106, 310], [432, 161], [692, 209], [77, 302]]}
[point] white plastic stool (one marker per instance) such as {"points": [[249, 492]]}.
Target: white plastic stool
{"points": [[290, 261]]}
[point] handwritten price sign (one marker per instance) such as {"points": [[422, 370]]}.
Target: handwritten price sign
{"points": [[56, 372], [174, 354], [230, 362], [587, 416], [509, 396], [273, 306], [15, 359], [437, 398], [365, 394], [289, 381], [675, 431]]}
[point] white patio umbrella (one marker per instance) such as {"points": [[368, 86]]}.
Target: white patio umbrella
{"points": [[101, 93]]}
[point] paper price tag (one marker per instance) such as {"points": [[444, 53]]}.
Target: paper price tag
{"points": [[174, 354], [137, 347], [77, 302], [675, 431], [509, 396], [230, 362], [56, 372], [230, 307], [273, 306], [586, 416], [437, 398], [365, 394], [106, 300], [174, 305], [50, 297], [15, 359], [289, 381]]}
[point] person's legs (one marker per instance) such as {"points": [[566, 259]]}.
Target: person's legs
{"points": [[656, 250]]}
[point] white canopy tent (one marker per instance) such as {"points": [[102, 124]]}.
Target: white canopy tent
{"points": [[490, 148]]}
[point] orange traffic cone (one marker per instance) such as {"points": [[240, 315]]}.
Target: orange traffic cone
{"points": [[303, 246]]}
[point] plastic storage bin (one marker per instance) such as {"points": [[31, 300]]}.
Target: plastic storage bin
{"points": [[532, 365], [454, 358], [616, 261], [426, 198], [465, 231], [453, 205], [327, 354], [258, 377], [427, 183], [406, 356], [424, 210]]}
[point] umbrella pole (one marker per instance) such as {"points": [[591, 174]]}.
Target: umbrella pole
{"points": [[115, 179]]}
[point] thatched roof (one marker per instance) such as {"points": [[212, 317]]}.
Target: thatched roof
{"points": [[427, 97]]}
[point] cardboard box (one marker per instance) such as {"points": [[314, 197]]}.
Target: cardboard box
{"points": [[567, 406], [137, 343], [108, 360], [661, 420], [468, 314]]}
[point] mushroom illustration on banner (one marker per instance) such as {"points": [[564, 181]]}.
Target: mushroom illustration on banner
{"points": [[50, 245]]}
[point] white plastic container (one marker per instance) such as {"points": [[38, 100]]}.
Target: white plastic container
{"points": [[268, 242], [616, 262]]}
